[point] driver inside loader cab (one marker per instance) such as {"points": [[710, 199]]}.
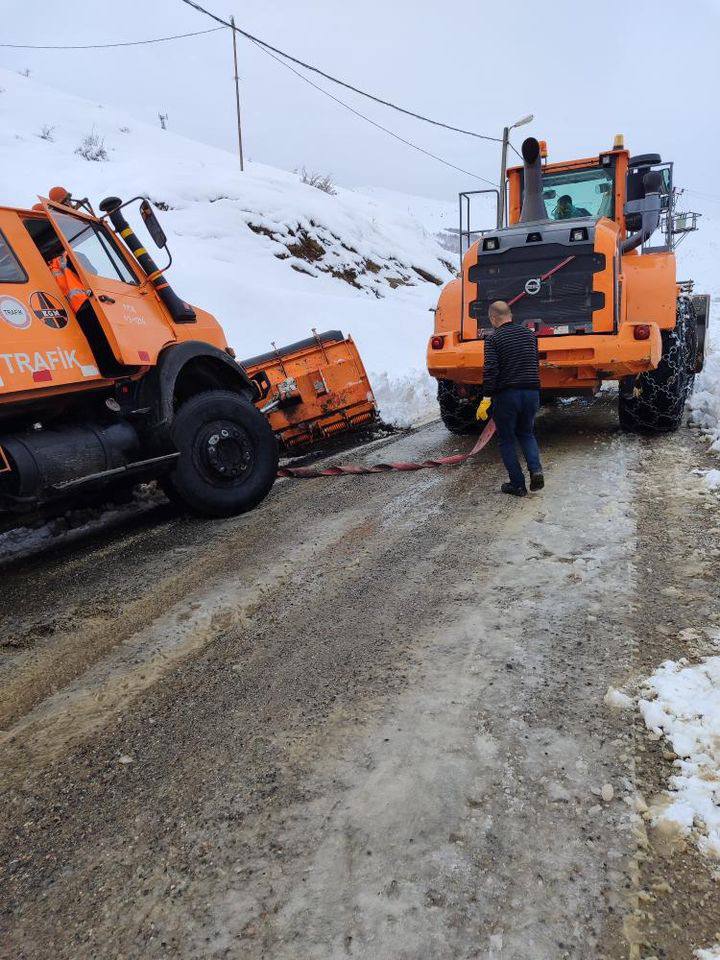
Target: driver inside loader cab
{"points": [[565, 209]]}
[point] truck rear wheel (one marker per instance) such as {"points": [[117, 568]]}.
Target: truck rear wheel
{"points": [[458, 406], [656, 400], [228, 455]]}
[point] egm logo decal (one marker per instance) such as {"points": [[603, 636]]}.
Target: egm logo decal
{"points": [[49, 309]]}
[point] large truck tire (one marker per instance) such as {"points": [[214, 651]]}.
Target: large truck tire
{"points": [[458, 406], [656, 401], [228, 455]]}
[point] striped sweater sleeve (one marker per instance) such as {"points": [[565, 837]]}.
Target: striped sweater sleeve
{"points": [[491, 370]]}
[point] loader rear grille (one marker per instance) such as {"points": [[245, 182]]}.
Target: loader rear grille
{"points": [[567, 297]]}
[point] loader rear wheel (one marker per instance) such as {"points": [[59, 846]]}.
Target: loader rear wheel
{"points": [[656, 400], [228, 455], [458, 406]]}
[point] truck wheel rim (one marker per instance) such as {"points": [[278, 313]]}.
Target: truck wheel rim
{"points": [[225, 451]]}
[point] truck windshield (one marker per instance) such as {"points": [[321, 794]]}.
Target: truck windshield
{"points": [[579, 193]]}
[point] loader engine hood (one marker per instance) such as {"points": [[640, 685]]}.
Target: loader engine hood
{"points": [[545, 270]]}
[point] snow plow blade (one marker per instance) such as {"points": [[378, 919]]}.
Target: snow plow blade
{"points": [[313, 389]]}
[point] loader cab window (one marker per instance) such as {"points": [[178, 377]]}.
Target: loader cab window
{"points": [[95, 251], [579, 193]]}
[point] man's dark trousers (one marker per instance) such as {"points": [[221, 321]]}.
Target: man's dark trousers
{"points": [[514, 414]]}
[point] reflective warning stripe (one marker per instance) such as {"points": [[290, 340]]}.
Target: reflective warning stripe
{"points": [[126, 232], [139, 252]]}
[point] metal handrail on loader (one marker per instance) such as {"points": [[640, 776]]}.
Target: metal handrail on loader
{"points": [[466, 234]]}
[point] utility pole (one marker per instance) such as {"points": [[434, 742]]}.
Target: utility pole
{"points": [[503, 169], [237, 94]]}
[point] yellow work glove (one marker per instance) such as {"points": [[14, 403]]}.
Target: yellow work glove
{"points": [[483, 411]]}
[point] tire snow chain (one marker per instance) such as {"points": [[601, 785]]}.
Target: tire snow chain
{"points": [[356, 470]]}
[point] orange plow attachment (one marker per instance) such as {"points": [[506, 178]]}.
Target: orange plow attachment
{"points": [[316, 388]]}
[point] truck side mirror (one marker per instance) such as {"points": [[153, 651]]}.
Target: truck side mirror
{"points": [[153, 225]]}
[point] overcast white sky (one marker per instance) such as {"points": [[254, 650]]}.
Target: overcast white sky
{"points": [[586, 70]]}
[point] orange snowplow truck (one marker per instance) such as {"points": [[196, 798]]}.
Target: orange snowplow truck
{"points": [[107, 376], [586, 261]]}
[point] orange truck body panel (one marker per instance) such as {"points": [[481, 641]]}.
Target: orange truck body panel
{"points": [[648, 294], [43, 350], [322, 387]]}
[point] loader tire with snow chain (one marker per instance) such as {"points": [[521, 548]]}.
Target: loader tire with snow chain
{"points": [[458, 406], [228, 455], [658, 397]]}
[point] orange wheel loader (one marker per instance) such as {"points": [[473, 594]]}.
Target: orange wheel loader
{"points": [[587, 262], [107, 376]]}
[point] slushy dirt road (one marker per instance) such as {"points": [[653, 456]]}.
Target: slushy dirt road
{"points": [[366, 720]]}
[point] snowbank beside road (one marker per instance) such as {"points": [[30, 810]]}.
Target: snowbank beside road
{"points": [[270, 256], [683, 705], [705, 400], [699, 259]]}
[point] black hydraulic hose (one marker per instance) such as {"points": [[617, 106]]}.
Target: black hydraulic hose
{"points": [[180, 311]]}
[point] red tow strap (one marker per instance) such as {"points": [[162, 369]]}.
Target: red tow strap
{"points": [[356, 470]]}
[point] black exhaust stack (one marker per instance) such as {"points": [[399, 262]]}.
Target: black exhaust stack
{"points": [[533, 207], [180, 311]]}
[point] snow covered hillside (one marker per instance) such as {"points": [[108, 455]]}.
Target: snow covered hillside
{"points": [[270, 256]]}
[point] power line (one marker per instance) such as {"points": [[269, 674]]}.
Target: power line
{"points": [[342, 83], [104, 46], [705, 196], [362, 116]]}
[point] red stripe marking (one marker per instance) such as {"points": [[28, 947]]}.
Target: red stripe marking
{"points": [[559, 266], [144, 355], [42, 376]]}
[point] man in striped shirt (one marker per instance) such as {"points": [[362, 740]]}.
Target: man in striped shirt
{"points": [[512, 379]]}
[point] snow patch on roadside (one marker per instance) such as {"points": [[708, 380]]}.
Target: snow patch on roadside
{"points": [[711, 477], [405, 399], [712, 953], [618, 700], [683, 704]]}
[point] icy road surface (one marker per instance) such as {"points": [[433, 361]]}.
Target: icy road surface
{"points": [[367, 720]]}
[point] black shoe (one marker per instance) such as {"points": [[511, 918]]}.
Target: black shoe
{"points": [[513, 490], [537, 481]]}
